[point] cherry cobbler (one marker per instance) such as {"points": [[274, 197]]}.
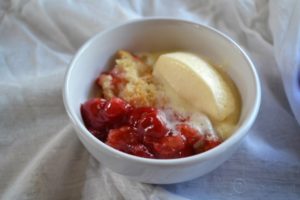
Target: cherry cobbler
{"points": [[132, 113]]}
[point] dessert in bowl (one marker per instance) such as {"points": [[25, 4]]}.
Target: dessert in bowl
{"points": [[146, 105], [154, 122]]}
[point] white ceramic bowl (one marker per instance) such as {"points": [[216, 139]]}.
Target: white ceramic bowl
{"points": [[157, 34]]}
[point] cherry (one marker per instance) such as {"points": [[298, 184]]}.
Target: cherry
{"points": [[100, 134], [169, 147], [208, 143], [140, 150], [116, 108], [100, 115], [126, 139], [91, 113], [122, 138], [199, 142], [151, 124], [211, 144], [192, 135], [137, 113]]}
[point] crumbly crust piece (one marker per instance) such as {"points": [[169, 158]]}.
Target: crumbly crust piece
{"points": [[130, 79]]}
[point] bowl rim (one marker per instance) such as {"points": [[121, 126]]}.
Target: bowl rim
{"points": [[240, 132]]}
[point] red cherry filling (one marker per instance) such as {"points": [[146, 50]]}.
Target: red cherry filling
{"points": [[100, 115], [152, 125], [122, 138], [169, 147], [142, 131], [91, 113], [137, 113], [116, 109], [208, 143], [127, 140], [199, 142], [192, 136]]}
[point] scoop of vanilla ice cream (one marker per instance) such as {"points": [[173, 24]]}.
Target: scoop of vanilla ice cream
{"points": [[196, 81]]}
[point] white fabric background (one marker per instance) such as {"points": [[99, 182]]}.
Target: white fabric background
{"points": [[40, 155]]}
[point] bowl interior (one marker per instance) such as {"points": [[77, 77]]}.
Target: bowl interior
{"points": [[152, 36]]}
